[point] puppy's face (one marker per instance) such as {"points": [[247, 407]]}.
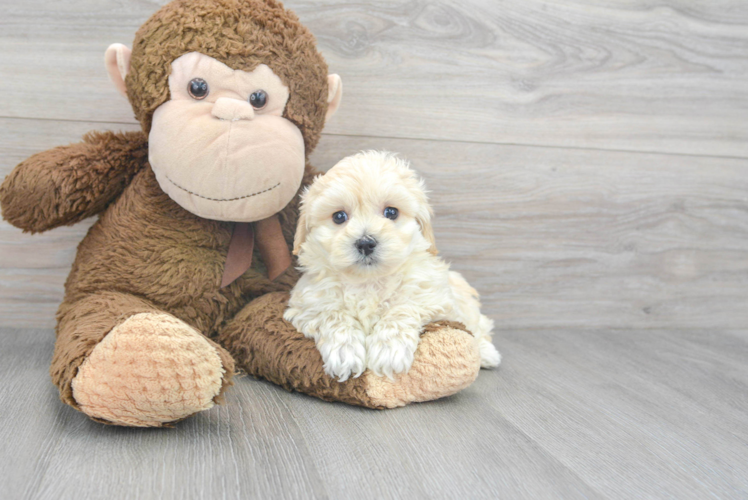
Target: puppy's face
{"points": [[366, 217]]}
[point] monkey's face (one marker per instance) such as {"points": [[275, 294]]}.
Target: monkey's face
{"points": [[220, 146]]}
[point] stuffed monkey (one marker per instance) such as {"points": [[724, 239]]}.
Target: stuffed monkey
{"points": [[186, 273]]}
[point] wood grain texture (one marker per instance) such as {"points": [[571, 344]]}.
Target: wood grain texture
{"points": [[667, 76], [573, 414], [550, 237], [618, 276], [559, 237]]}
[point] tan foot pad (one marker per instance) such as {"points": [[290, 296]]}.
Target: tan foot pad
{"points": [[447, 360], [149, 370]]}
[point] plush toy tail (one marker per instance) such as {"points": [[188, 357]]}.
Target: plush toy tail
{"points": [[67, 184]]}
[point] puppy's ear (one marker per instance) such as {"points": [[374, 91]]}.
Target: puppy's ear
{"points": [[301, 230], [423, 212], [300, 235], [424, 220]]}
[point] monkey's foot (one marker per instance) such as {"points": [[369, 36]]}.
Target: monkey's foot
{"points": [[265, 345], [150, 370], [447, 360]]}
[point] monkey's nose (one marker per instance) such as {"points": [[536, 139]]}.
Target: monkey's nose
{"points": [[227, 108], [366, 245]]}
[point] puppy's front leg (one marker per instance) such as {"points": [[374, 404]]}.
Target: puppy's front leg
{"points": [[392, 344], [338, 336], [341, 343]]}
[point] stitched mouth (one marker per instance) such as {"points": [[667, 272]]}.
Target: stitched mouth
{"points": [[222, 199]]}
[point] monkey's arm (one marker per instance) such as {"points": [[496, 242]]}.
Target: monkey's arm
{"points": [[67, 184]]}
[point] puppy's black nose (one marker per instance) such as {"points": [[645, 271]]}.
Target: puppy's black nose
{"points": [[366, 245]]}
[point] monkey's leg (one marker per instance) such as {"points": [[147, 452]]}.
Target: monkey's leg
{"points": [[265, 345], [121, 360]]}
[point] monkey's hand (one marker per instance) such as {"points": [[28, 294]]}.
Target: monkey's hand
{"points": [[67, 184]]}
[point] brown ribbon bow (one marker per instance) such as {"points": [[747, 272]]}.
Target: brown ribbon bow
{"points": [[270, 242]]}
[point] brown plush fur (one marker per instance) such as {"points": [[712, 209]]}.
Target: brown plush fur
{"points": [[261, 31], [272, 349], [67, 184], [146, 253]]}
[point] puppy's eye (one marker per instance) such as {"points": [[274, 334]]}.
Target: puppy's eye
{"points": [[339, 217], [258, 99], [198, 88], [391, 213]]}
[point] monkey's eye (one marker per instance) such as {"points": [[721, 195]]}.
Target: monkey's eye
{"points": [[258, 99], [198, 88], [391, 213], [339, 217]]}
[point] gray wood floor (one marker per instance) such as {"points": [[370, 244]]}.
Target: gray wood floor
{"points": [[588, 163], [572, 413]]}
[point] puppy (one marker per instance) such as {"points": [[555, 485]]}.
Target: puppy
{"points": [[371, 277]]}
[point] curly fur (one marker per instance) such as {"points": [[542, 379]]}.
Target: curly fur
{"points": [[366, 311]]}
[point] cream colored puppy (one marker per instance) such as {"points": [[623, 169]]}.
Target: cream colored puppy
{"points": [[371, 278]]}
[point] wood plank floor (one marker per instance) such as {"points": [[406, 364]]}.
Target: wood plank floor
{"points": [[588, 164], [571, 413]]}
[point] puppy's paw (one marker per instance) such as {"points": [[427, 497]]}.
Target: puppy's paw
{"points": [[489, 355], [343, 359], [389, 356]]}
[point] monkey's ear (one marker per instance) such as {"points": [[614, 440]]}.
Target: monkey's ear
{"points": [[117, 61], [334, 94]]}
